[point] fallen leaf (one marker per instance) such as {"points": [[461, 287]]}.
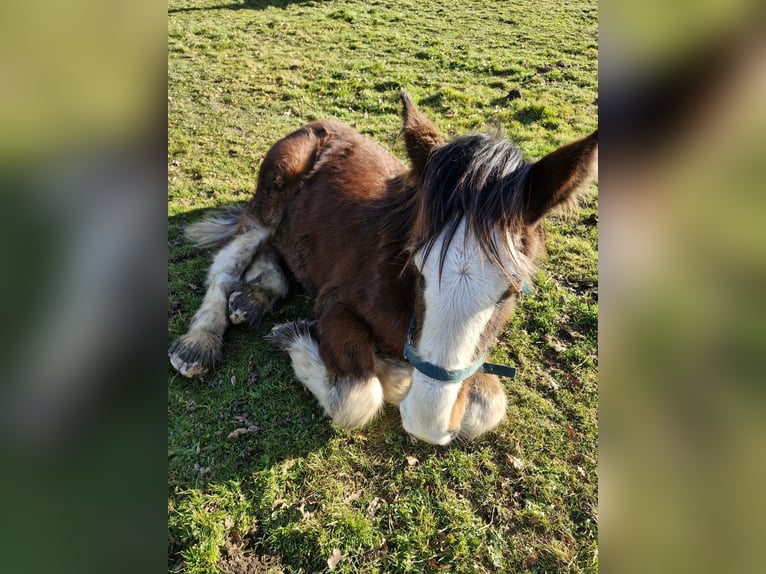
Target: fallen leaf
{"points": [[517, 463], [374, 503], [305, 513], [411, 460], [334, 558], [243, 430], [353, 496], [572, 434], [235, 536]]}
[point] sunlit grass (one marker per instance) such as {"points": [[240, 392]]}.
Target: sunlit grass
{"points": [[285, 495]]}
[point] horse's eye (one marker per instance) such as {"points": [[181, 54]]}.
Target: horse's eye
{"points": [[506, 294]]}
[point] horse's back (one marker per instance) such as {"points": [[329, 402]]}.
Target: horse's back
{"points": [[315, 189]]}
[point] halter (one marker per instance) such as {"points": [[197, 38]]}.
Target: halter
{"points": [[448, 376]]}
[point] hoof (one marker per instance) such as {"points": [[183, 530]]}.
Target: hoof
{"points": [[248, 304], [194, 354]]}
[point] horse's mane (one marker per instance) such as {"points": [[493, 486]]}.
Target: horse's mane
{"points": [[478, 178]]}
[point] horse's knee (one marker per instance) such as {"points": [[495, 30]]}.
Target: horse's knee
{"points": [[485, 408], [355, 403]]}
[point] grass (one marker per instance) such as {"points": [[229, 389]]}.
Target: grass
{"points": [[288, 493]]}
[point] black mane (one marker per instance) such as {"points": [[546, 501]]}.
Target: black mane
{"points": [[479, 178]]}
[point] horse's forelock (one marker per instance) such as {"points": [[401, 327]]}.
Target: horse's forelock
{"points": [[479, 178]]}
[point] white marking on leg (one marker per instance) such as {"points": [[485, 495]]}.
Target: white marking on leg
{"points": [[349, 404], [309, 368], [395, 376], [211, 319], [358, 402], [227, 269]]}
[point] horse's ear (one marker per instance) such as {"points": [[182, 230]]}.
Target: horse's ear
{"points": [[556, 178], [420, 136]]}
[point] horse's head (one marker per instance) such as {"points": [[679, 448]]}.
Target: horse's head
{"points": [[475, 237]]}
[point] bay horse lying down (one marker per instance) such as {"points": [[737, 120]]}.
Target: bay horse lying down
{"points": [[430, 257]]}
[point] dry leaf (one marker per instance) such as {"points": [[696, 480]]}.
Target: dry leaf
{"points": [[517, 463], [304, 513], [530, 561], [235, 536], [353, 496], [411, 460], [334, 558], [243, 430], [572, 434], [374, 503]]}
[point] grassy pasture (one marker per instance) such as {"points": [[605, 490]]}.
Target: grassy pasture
{"points": [[293, 491]]}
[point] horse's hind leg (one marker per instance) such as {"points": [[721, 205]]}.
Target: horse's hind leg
{"points": [[194, 353], [263, 285], [485, 405], [351, 401]]}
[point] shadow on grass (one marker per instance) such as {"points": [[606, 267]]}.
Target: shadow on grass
{"points": [[245, 5], [253, 389]]}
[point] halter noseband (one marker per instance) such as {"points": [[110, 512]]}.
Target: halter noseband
{"points": [[449, 376]]}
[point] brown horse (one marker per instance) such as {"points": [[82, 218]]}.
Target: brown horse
{"points": [[442, 248]]}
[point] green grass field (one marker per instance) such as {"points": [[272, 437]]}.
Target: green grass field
{"points": [[293, 492]]}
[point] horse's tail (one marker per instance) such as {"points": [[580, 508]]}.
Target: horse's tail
{"points": [[215, 229]]}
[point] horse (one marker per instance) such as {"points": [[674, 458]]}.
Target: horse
{"points": [[415, 270]]}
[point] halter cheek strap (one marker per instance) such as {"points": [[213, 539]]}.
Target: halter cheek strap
{"points": [[448, 376]]}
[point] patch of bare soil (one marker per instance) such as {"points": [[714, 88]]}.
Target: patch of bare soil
{"points": [[238, 560]]}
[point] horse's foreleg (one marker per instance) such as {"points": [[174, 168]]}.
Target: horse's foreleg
{"points": [[396, 377], [485, 405], [194, 353], [263, 285], [338, 368]]}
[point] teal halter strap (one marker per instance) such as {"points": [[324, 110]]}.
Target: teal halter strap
{"points": [[449, 376], [446, 375]]}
